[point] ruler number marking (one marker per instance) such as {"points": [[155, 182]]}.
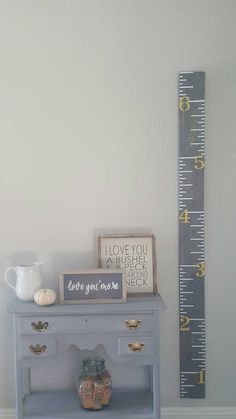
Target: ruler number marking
{"points": [[184, 104], [199, 162], [200, 270], [185, 217], [201, 377], [185, 322]]}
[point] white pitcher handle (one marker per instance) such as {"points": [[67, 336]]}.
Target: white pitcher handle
{"points": [[11, 268]]}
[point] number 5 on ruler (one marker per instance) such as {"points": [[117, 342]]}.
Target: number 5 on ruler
{"points": [[199, 162]]}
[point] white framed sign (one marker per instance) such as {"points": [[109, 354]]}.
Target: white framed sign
{"points": [[135, 253]]}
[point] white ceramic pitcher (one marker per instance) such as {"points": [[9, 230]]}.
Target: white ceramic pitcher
{"points": [[28, 280]]}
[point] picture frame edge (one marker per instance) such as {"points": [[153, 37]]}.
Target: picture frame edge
{"points": [[152, 236]]}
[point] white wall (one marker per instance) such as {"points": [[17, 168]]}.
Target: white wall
{"points": [[88, 133]]}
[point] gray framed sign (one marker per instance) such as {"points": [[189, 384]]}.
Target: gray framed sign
{"points": [[93, 286], [135, 253]]}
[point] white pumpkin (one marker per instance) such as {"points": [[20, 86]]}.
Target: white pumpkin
{"points": [[45, 297]]}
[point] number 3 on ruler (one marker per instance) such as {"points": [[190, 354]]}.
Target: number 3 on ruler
{"points": [[200, 269]]}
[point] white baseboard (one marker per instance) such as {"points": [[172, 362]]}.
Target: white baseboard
{"points": [[7, 414], [198, 413], [169, 413]]}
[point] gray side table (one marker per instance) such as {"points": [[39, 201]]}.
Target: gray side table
{"points": [[129, 332]]}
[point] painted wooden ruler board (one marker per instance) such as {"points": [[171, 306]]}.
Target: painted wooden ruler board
{"points": [[191, 233]]}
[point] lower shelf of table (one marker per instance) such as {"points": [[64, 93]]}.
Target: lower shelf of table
{"points": [[65, 405]]}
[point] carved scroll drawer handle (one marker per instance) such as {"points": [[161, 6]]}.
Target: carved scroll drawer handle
{"points": [[136, 346], [133, 324], [37, 349], [39, 327]]}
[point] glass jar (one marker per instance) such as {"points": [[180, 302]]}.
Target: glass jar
{"points": [[94, 385]]}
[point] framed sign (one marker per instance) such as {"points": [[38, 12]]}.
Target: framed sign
{"points": [[93, 286], [135, 253]]}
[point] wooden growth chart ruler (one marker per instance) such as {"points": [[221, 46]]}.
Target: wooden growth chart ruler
{"points": [[191, 233]]}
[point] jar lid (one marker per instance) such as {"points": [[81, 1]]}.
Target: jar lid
{"points": [[93, 363]]}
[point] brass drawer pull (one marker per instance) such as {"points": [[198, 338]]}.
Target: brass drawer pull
{"points": [[136, 346], [39, 327], [37, 349], [133, 324]]}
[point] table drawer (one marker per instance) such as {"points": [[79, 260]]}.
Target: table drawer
{"points": [[129, 323], [37, 348], [143, 345]]}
